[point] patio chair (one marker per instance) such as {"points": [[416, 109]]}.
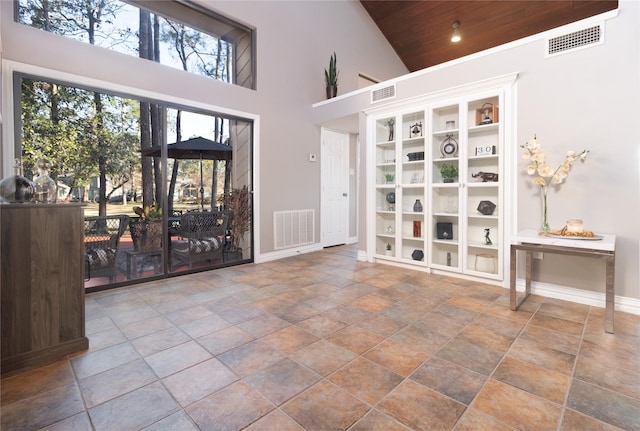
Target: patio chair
{"points": [[202, 236], [101, 238]]}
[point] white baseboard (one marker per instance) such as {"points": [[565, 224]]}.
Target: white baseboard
{"points": [[352, 240], [596, 299], [280, 254], [362, 256]]}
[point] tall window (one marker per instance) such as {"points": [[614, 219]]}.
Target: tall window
{"points": [[185, 37]]}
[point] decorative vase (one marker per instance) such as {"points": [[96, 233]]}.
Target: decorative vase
{"points": [[146, 235], [417, 255], [16, 188], [417, 229], [332, 91], [417, 206], [45, 187], [545, 223], [485, 263]]}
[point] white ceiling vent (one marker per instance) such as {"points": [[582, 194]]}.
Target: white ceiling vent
{"points": [[383, 93], [579, 39]]}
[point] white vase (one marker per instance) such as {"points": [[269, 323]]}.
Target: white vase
{"points": [[485, 263]]}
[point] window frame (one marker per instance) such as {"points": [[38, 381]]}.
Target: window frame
{"points": [[199, 18]]}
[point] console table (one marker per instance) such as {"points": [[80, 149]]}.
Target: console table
{"points": [[41, 283], [530, 241]]}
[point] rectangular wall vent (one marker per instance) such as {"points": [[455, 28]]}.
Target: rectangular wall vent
{"points": [[293, 228], [576, 40], [383, 93]]}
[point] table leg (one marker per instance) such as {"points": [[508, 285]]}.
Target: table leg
{"points": [[514, 301], [512, 280], [529, 263], [610, 298], [129, 258]]}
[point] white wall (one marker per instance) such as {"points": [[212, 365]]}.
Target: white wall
{"points": [[587, 99], [294, 42]]}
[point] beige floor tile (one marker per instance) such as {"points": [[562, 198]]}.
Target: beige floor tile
{"points": [[421, 408], [366, 380], [324, 357], [231, 408], [199, 381], [517, 408], [177, 358], [135, 410], [449, 379], [290, 339], [102, 387], [605, 405], [355, 339], [398, 357], [532, 378], [282, 380], [325, 407]]}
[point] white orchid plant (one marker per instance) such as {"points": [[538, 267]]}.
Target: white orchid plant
{"points": [[545, 174]]}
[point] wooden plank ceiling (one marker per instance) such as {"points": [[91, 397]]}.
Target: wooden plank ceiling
{"points": [[420, 31]]}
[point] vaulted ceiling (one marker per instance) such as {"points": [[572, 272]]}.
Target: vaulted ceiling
{"points": [[420, 31]]}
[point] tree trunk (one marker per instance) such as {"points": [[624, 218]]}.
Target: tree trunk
{"points": [[174, 171], [157, 123], [102, 161], [145, 116]]}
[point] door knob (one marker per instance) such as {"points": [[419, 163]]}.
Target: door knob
{"points": [[344, 194]]}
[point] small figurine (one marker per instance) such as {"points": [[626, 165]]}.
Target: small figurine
{"points": [[487, 240], [391, 124], [486, 176], [416, 129]]}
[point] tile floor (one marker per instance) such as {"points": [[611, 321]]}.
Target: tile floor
{"points": [[323, 342]]}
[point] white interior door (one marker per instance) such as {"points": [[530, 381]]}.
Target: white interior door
{"points": [[335, 187]]}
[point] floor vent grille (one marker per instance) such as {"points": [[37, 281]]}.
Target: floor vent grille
{"points": [[293, 228], [576, 40], [383, 94]]}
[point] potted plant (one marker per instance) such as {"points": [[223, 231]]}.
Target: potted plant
{"points": [[389, 177], [237, 203], [146, 232], [331, 78], [449, 172], [388, 250]]}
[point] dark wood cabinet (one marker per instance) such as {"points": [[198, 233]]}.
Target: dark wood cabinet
{"points": [[42, 284]]}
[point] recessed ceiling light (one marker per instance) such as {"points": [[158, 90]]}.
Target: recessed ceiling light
{"points": [[455, 37]]}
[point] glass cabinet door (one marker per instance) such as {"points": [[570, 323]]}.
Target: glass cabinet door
{"points": [[445, 196], [483, 225], [386, 175], [412, 165]]}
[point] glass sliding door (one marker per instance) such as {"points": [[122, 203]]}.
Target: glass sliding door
{"points": [[208, 200], [165, 188]]}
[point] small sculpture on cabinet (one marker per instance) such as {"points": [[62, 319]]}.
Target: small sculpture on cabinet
{"points": [[415, 130], [486, 176], [390, 124], [487, 240]]}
